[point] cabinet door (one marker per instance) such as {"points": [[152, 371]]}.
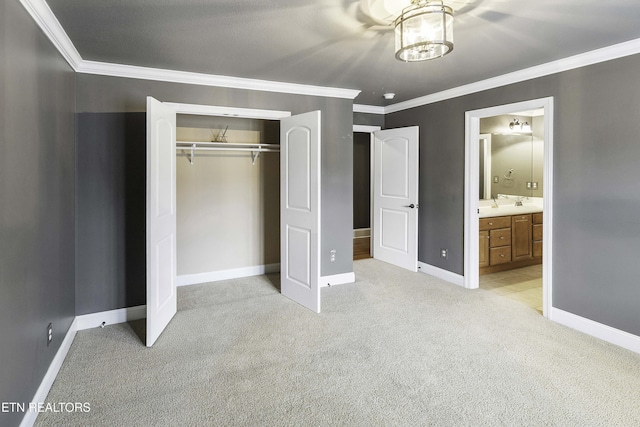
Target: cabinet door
{"points": [[484, 248], [521, 237]]}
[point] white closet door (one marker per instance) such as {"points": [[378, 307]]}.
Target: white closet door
{"points": [[161, 218], [300, 209], [395, 197]]}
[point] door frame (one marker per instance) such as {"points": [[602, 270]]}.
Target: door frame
{"points": [[372, 139], [471, 190], [210, 110]]}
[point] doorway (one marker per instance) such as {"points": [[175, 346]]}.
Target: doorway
{"points": [[363, 143], [474, 231]]}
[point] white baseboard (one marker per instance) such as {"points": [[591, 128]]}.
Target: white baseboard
{"points": [[337, 279], [111, 317], [43, 390], [445, 275], [361, 232], [215, 276], [595, 329]]}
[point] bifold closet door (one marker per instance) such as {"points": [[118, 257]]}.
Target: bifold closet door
{"points": [[300, 209], [161, 218]]}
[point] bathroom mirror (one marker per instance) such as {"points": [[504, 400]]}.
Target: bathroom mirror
{"points": [[511, 154]]}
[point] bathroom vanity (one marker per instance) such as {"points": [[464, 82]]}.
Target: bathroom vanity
{"points": [[510, 237]]}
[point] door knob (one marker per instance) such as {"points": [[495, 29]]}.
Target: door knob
{"points": [[412, 206]]}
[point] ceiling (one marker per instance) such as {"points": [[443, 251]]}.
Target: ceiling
{"points": [[333, 43]]}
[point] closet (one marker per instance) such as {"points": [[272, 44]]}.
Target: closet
{"points": [[227, 196]]}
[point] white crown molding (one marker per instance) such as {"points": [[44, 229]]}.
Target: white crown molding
{"points": [[47, 21], [609, 53], [370, 109], [157, 74]]}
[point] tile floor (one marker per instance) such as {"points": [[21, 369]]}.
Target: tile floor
{"points": [[521, 284]]}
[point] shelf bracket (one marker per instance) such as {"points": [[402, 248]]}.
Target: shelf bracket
{"points": [[254, 157], [193, 153]]}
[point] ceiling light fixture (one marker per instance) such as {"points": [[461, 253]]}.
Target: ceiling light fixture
{"points": [[424, 31]]}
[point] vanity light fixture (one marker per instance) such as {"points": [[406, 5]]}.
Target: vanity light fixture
{"points": [[517, 126], [424, 31]]}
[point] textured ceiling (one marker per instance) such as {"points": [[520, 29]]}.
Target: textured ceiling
{"points": [[331, 43]]}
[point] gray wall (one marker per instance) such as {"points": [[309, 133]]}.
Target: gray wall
{"points": [[101, 95], [596, 182], [367, 119], [111, 205], [36, 204]]}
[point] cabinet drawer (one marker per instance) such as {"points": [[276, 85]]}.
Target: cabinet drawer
{"points": [[500, 237], [537, 218], [500, 255], [494, 223], [537, 232]]}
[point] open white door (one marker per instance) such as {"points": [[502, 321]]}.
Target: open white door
{"points": [[161, 218], [300, 209], [395, 197]]}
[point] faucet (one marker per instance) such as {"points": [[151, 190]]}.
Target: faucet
{"points": [[519, 200]]}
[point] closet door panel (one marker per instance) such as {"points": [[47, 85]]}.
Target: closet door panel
{"points": [[300, 209]]}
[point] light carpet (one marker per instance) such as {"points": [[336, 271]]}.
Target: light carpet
{"points": [[395, 348]]}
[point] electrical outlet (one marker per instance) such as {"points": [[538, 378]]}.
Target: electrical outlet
{"points": [[49, 334], [444, 253], [333, 255], [496, 179]]}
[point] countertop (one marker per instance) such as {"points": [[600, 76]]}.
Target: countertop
{"points": [[506, 210]]}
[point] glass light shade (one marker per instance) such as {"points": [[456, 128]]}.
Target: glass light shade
{"points": [[424, 31]]}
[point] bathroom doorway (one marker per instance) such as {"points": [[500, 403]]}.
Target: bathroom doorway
{"points": [[507, 247], [510, 206]]}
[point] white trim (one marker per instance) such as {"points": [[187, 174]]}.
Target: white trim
{"points": [[472, 130], [214, 110], [440, 273], [235, 273], [43, 390], [365, 128], [361, 232], [47, 21], [111, 317], [604, 54], [369, 109], [50, 26], [186, 77], [337, 279], [595, 329]]}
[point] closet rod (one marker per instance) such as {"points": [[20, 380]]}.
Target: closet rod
{"points": [[255, 149], [227, 145]]}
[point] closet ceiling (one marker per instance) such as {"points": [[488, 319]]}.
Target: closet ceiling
{"points": [[332, 43]]}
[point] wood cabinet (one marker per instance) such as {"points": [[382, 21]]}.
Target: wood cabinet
{"points": [[483, 253], [508, 242], [536, 235], [521, 237]]}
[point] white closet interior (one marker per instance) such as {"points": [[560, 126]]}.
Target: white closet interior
{"points": [[228, 198]]}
